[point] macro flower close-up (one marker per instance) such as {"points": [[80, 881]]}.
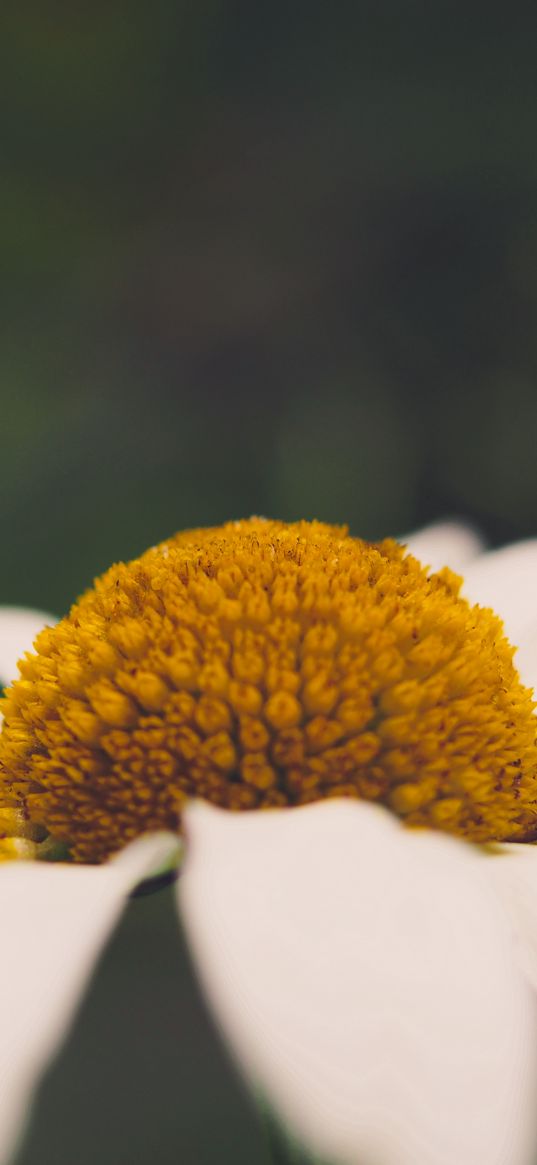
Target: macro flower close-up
{"points": [[332, 743]]}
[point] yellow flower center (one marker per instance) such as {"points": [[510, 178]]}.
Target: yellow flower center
{"points": [[261, 664]]}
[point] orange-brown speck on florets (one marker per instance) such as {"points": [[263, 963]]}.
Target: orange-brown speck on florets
{"points": [[263, 664]]}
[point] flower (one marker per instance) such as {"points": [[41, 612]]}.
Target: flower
{"points": [[375, 982]]}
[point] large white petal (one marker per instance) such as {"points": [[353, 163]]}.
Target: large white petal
{"points": [[513, 874], [18, 629], [445, 544], [506, 580], [365, 976], [54, 921]]}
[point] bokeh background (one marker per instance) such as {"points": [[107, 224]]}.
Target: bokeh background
{"points": [[256, 258]]}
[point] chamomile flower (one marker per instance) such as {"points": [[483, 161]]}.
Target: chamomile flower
{"points": [[365, 941]]}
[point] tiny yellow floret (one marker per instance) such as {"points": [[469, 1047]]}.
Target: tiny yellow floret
{"points": [[262, 664]]}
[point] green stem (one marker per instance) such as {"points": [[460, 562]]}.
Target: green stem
{"points": [[279, 1148], [284, 1150]]}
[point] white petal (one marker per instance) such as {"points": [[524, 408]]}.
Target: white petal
{"points": [[444, 544], [364, 975], [506, 580], [54, 922], [513, 874], [18, 629]]}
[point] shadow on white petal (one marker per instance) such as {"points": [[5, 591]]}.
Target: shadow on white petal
{"points": [[55, 921], [18, 629], [365, 977], [445, 544]]}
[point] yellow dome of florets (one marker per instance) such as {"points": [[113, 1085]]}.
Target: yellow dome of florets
{"points": [[262, 664]]}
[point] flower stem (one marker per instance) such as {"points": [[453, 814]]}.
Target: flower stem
{"points": [[284, 1150]]}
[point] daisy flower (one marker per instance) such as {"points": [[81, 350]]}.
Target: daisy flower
{"points": [[368, 944]]}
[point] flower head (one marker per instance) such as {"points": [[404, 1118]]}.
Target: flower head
{"points": [[261, 664]]}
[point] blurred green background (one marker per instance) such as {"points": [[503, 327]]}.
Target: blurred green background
{"points": [[256, 258]]}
